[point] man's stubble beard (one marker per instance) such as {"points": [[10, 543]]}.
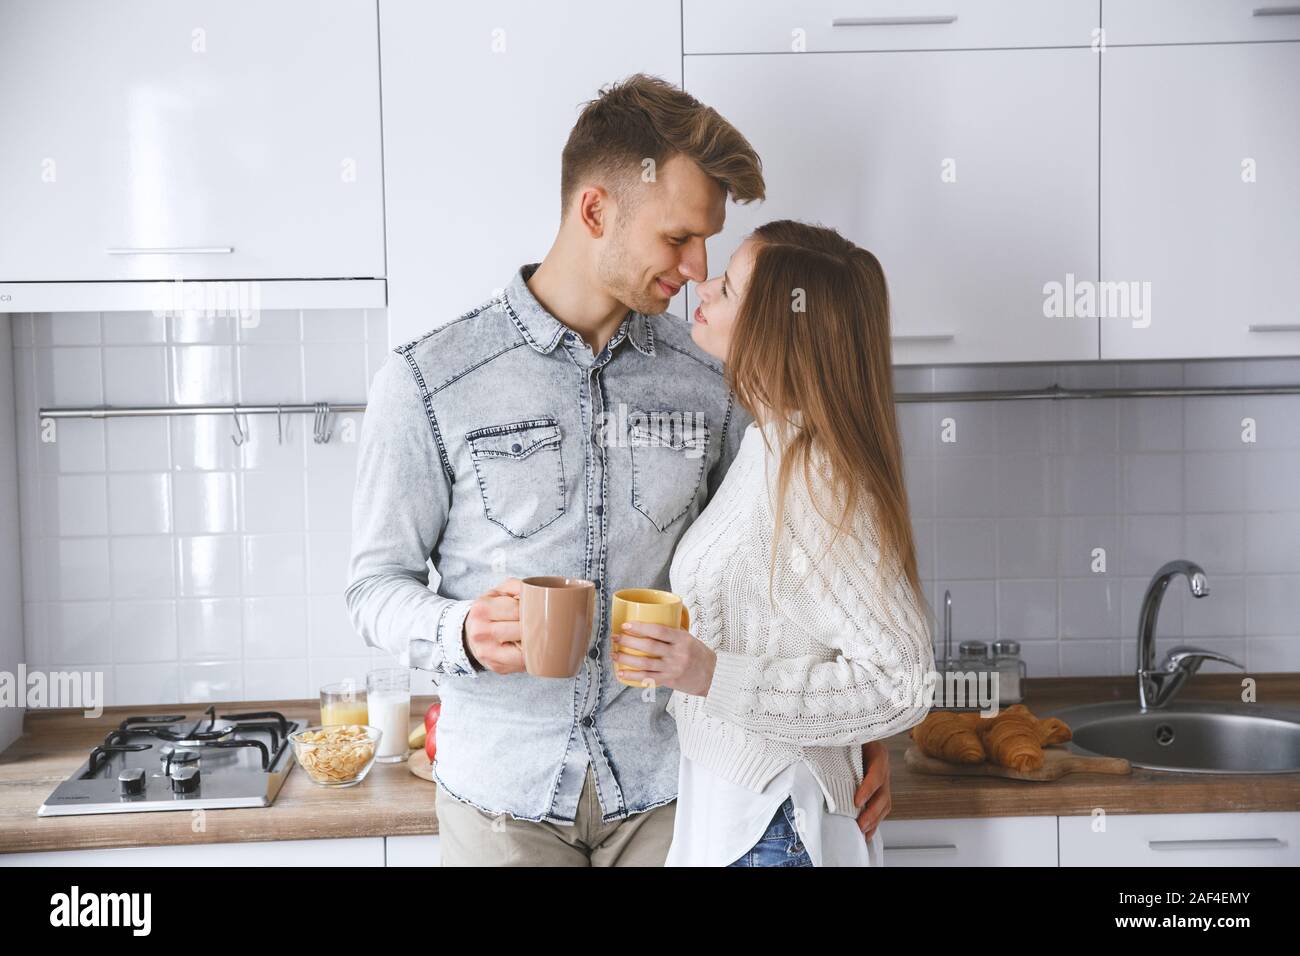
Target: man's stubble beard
{"points": [[616, 275]]}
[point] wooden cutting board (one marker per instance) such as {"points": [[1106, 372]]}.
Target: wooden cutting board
{"points": [[418, 763], [1057, 762]]}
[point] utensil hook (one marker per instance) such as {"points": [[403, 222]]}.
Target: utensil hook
{"points": [[323, 430]]}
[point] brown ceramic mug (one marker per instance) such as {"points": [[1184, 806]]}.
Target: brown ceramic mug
{"points": [[555, 615]]}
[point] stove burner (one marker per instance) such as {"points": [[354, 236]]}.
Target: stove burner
{"points": [[208, 732], [152, 762], [100, 755], [173, 757]]}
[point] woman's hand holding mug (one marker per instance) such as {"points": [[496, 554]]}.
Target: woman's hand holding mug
{"points": [[652, 644]]}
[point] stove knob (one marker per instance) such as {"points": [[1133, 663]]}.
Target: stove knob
{"points": [[185, 780], [131, 781]]}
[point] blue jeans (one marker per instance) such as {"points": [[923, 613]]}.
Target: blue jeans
{"points": [[780, 844]]}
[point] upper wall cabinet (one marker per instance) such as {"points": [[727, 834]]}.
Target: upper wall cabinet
{"points": [[1201, 198], [147, 139], [783, 26], [1199, 21], [479, 99], [971, 174]]}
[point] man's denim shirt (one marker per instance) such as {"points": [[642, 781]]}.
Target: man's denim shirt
{"points": [[499, 446]]}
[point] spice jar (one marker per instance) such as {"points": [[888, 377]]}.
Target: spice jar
{"points": [[1011, 669]]}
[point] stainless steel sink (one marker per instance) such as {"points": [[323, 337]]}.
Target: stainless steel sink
{"points": [[1189, 736]]}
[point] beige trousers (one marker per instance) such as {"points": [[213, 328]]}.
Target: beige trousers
{"points": [[471, 837]]}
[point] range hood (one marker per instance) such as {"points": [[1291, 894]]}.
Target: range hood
{"points": [[210, 296]]}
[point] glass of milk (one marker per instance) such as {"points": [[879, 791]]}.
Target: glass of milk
{"points": [[388, 700]]}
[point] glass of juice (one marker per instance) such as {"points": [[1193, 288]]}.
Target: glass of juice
{"points": [[343, 703], [388, 695]]}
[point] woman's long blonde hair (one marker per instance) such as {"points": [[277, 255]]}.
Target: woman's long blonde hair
{"points": [[811, 342]]}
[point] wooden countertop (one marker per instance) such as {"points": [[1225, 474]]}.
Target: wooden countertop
{"points": [[393, 802]]}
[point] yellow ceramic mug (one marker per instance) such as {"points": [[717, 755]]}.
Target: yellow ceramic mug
{"points": [[649, 606]]}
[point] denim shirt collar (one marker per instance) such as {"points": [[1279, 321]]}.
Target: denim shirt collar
{"points": [[544, 331]]}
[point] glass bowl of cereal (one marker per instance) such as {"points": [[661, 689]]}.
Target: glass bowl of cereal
{"points": [[336, 755]]}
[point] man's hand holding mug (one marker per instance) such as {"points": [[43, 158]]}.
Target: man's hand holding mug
{"points": [[492, 631]]}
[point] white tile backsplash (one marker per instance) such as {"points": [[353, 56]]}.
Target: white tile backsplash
{"points": [[135, 375], [208, 565], [1092, 496], [157, 550], [189, 568]]}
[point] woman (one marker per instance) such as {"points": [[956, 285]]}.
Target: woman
{"points": [[813, 640]]}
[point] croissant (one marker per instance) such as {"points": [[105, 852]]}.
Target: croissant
{"points": [[1012, 740], [1053, 730], [949, 735]]}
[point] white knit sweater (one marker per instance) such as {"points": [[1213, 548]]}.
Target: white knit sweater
{"points": [[840, 662]]}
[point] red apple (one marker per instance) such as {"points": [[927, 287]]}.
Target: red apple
{"points": [[431, 730]]}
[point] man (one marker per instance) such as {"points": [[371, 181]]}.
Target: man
{"points": [[506, 444]]}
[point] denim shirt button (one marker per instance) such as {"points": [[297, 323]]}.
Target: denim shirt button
{"points": [[600, 509], [516, 447], [588, 720], [594, 653]]}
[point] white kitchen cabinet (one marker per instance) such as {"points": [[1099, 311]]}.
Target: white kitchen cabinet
{"points": [[422, 850], [1201, 199], [345, 852], [971, 841], [784, 26], [1171, 839], [1200, 21], [145, 139], [972, 175], [479, 99], [1182, 839]]}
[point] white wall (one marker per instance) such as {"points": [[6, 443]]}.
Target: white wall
{"points": [[188, 570], [1009, 514], [185, 568], [11, 610]]}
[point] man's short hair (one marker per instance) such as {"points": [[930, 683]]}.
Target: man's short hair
{"points": [[647, 118]]}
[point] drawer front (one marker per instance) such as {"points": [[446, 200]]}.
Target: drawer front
{"points": [[341, 852], [784, 26], [871, 157], [424, 850], [145, 159], [1205, 244], [1200, 21], [971, 841], [1182, 839]]}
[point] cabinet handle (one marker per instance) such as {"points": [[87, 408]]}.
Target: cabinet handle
{"points": [[935, 337], [1224, 843], [892, 21], [1275, 12], [1275, 327], [173, 251], [901, 847]]}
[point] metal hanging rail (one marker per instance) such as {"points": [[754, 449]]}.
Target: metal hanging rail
{"points": [[320, 433], [1060, 391], [147, 411], [1015, 394]]}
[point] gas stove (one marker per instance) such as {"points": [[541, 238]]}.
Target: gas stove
{"points": [[174, 762]]}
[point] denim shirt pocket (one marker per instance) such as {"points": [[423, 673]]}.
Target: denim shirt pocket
{"points": [[520, 473], [669, 452]]}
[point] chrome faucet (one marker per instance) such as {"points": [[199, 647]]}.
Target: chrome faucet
{"points": [[1156, 688]]}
